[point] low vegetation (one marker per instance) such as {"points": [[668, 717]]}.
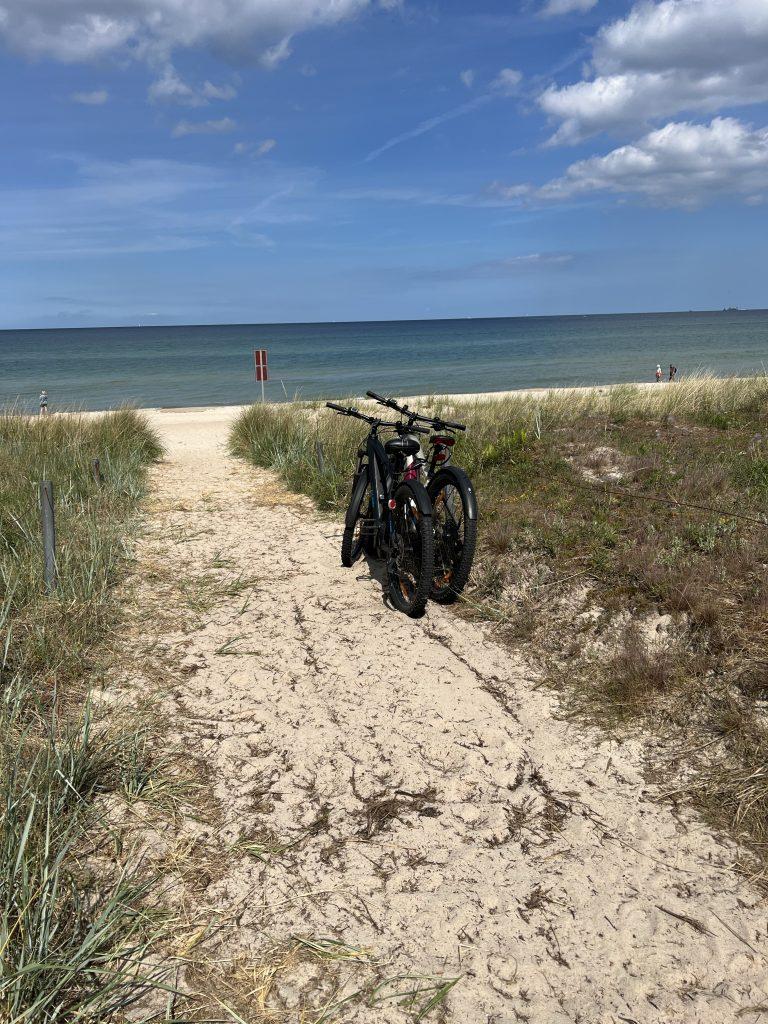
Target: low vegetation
{"points": [[624, 542], [70, 941]]}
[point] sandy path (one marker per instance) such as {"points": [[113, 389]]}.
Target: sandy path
{"points": [[402, 785]]}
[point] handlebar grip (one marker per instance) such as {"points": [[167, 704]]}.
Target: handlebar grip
{"points": [[418, 430], [336, 408], [389, 402], [454, 426]]}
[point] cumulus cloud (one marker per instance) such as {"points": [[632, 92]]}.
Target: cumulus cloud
{"points": [[265, 147], [225, 124], [97, 98], [467, 77], [80, 30], [507, 81], [171, 88], [681, 164], [555, 7], [664, 58]]}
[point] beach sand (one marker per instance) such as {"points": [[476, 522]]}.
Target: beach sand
{"points": [[404, 787]]}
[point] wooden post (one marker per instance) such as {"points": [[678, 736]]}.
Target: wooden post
{"points": [[49, 534], [98, 476], [320, 456]]}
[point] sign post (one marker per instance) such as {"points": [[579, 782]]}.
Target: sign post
{"points": [[260, 362]]}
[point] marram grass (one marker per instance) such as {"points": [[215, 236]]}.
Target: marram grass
{"points": [[71, 944]]}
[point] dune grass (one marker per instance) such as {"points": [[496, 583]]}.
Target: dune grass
{"points": [[623, 542], [70, 942]]}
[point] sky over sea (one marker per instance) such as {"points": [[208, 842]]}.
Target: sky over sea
{"points": [[241, 161]]}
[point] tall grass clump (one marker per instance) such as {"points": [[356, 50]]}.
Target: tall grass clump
{"points": [[285, 438], [70, 941], [634, 505]]}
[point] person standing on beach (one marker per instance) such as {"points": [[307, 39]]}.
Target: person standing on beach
{"points": [[43, 402], [658, 373], [672, 372]]}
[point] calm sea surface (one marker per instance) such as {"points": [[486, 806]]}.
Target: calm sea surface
{"points": [[186, 366]]}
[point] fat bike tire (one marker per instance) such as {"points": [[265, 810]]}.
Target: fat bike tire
{"points": [[357, 537], [455, 533], [410, 566]]}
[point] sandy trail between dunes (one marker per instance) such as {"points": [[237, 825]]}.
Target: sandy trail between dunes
{"points": [[403, 787]]}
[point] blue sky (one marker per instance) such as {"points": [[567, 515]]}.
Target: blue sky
{"points": [[214, 161]]}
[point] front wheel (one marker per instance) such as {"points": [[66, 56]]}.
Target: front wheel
{"points": [[454, 515], [411, 558], [359, 525]]}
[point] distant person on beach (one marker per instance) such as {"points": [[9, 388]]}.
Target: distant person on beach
{"points": [[658, 373], [43, 402], [672, 372]]}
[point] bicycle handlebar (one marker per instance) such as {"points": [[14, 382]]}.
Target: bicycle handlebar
{"points": [[389, 402], [436, 422], [349, 411]]}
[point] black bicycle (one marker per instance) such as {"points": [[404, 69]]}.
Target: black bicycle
{"points": [[454, 505], [390, 517]]}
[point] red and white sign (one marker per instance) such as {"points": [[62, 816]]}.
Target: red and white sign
{"points": [[260, 361]]}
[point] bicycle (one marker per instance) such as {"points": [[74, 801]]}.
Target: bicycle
{"points": [[453, 500], [388, 516]]}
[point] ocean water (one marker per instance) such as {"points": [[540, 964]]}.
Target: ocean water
{"points": [[189, 366]]}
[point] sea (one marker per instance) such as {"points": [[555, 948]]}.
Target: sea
{"points": [[176, 367]]}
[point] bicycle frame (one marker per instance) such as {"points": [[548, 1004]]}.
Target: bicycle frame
{"points": [[374, 461]]}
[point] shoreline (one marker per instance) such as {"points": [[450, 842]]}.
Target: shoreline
{"points": [[461, 396], [223, 411]]}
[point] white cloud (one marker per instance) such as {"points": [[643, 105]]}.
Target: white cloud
{"points": [[681, 164], [276, 54], [79, 30], [170, 87], [225, 124], [665, 58], [507, 81], [218, 92], [97, 98], [556, 7], [467, 77], [263, 147]]}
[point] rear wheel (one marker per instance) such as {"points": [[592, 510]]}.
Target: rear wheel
{"points": [[455, 534], [359, 527], [411, 560]]}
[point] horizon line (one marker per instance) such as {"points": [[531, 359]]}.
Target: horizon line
{"points": [[395, 320]]}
